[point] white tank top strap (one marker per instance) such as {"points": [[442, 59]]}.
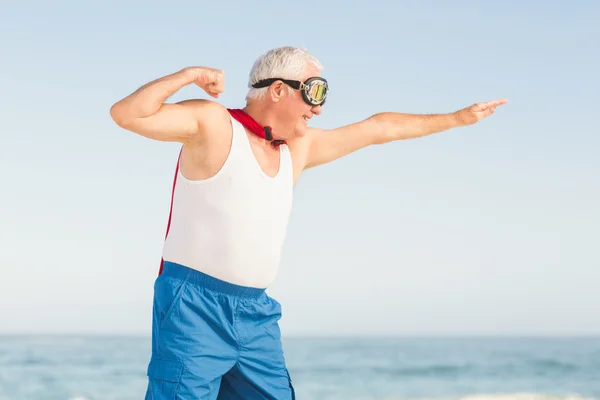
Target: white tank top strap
{"points": [[244, 149]]}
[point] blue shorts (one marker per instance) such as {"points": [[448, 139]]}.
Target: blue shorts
{"points": [[214, 340]]}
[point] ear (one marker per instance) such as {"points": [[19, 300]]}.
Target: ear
{"points": [[276, 91]]}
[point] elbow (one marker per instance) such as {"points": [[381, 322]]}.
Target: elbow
{"points": [[116, 113], [119, 115], [381, 129]]}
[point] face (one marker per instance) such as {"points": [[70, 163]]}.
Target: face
{"points": [[294, 113]]}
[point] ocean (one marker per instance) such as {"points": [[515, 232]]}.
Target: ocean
{"points": [[113, 368]]}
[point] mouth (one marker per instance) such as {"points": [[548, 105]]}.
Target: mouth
{"points": [[305, 117]]}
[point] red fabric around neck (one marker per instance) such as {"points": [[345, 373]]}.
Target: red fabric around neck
{"points": [[249, 123]]}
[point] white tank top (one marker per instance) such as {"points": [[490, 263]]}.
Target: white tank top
{"points": [[232, 226]]}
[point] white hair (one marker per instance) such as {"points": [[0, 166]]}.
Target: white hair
{"points": [[283, 62]]}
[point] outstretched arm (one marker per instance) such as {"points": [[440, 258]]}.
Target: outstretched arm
{"points": [[324, 146]]}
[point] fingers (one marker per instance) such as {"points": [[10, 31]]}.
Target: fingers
{"points": [[488, 107], [496, 103], [482, 110], [218, 83], [215, 87], [211, 80]]}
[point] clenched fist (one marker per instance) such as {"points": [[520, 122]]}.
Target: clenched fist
{"points": [[211, 80]]}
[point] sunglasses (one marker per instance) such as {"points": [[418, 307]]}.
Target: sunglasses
{"points": [[314, 90]]}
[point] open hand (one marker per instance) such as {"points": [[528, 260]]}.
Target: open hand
{"points": [[478, 111], [211, 80]]}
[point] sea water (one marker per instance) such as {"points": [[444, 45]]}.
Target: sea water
{"points": [[113, 368]]}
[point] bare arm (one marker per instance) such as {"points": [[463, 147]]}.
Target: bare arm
{"points": [[146, 113], [324, 146]]}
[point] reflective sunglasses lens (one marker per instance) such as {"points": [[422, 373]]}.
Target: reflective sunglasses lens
{"points": [[317, 91]]}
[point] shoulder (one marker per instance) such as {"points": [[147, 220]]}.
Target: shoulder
{"points": [[205, 156], [207, 112], [320, 146], [210, 116], [299, 148]]}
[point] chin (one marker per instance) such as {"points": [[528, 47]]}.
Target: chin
{"points": [[301, 128], [300, 132]]}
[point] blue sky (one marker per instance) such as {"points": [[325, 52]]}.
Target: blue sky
{"points": [[490, 229]]}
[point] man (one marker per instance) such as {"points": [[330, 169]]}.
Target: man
{"points": [[215, 331]]}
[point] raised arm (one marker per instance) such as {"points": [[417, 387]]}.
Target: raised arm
{"points": [[323, 146], [146, 113]]}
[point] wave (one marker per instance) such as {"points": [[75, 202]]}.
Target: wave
{"points": [[524, 396], [531, 368], [493, 396], [482, 396], [393, 371]]}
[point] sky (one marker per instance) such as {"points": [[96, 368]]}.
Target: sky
{"points": [[491, 229]]}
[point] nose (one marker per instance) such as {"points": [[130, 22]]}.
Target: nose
{"points": [[316, 110]]}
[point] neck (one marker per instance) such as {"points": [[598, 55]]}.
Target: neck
{"points": [[262, 116]]}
